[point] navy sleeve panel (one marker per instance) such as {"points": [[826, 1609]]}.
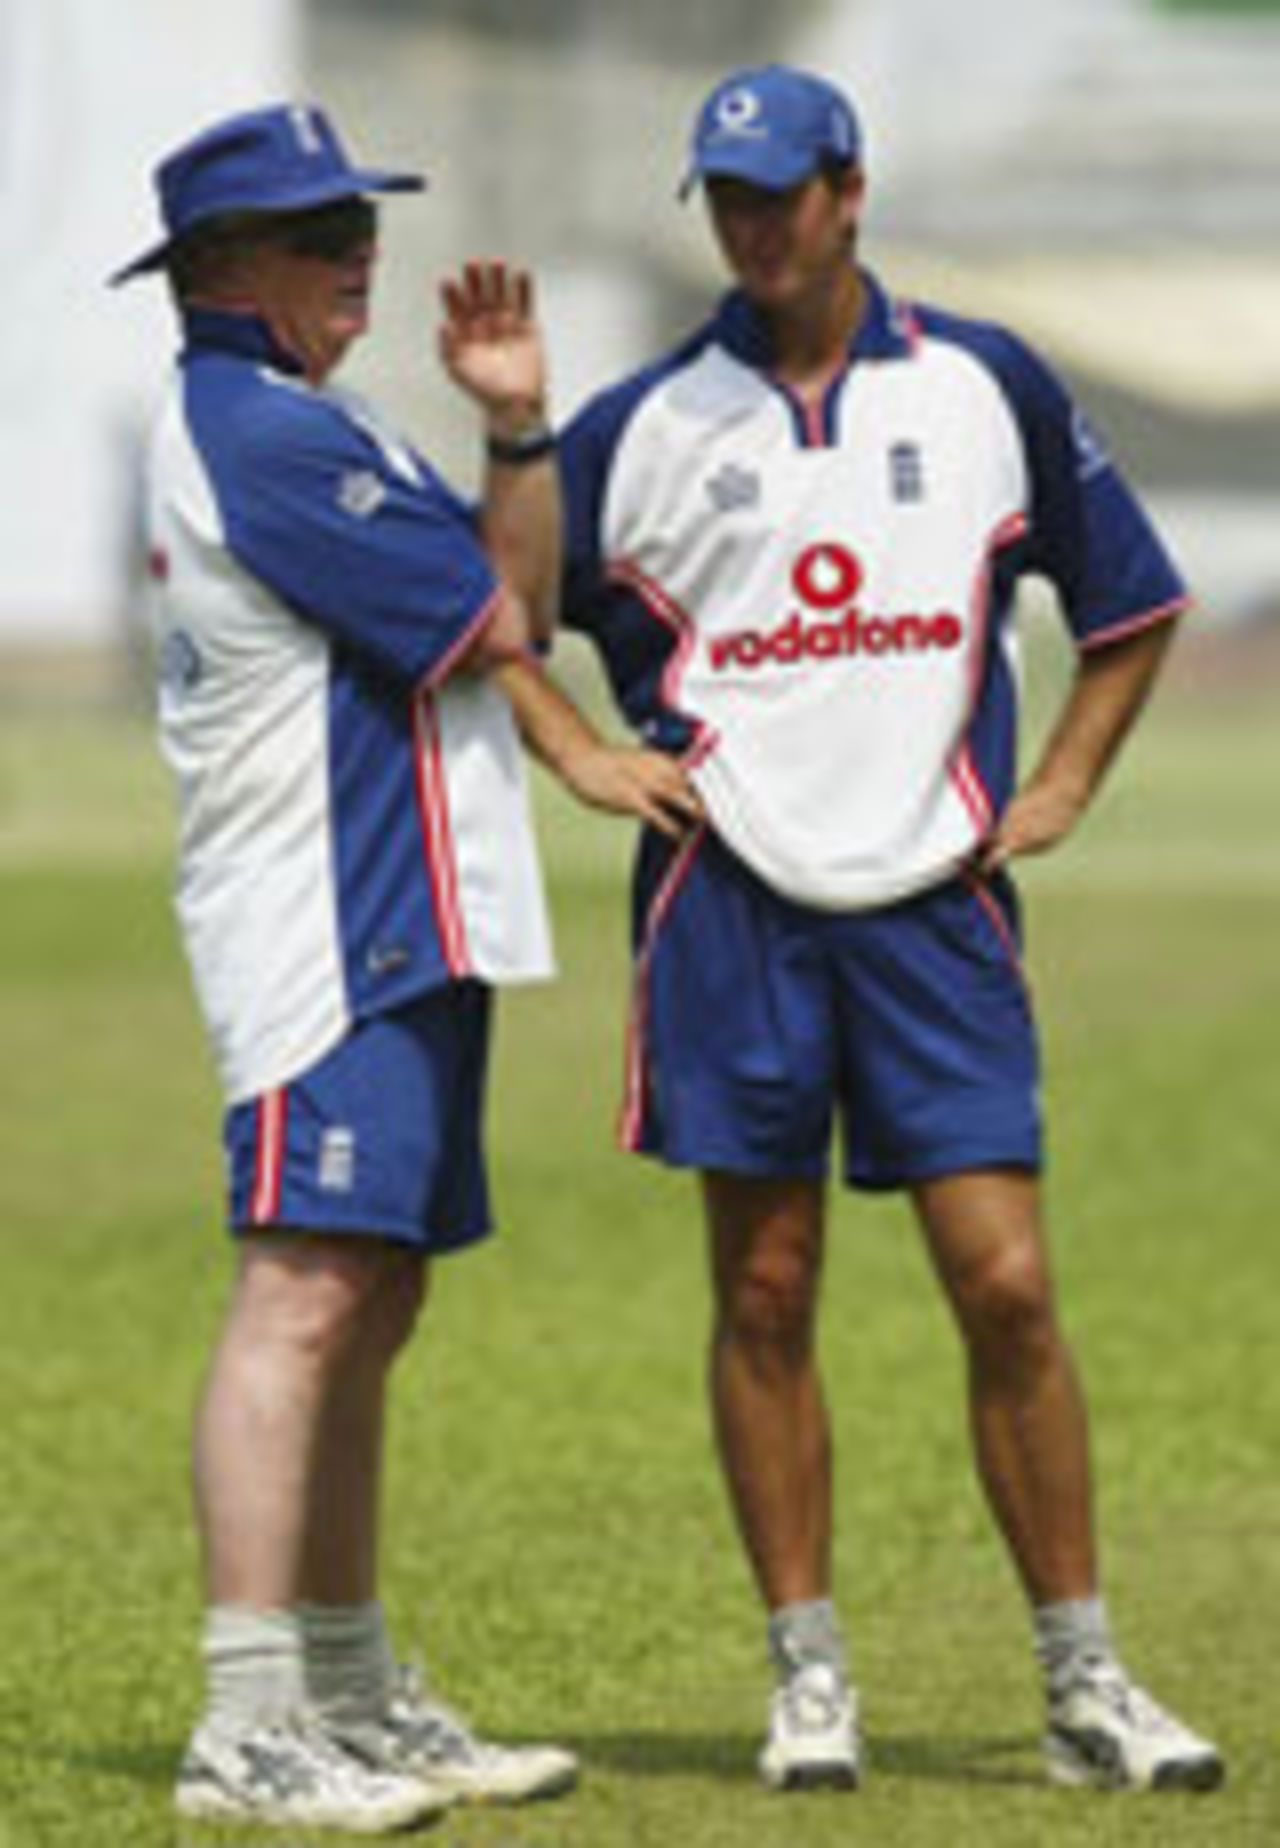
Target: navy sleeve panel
{"points": [[1088, 533], [313, 508], [635, 648], [586, 453], [587, 448]]}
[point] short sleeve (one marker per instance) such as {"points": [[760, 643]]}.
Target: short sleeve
{"points": [[376, 551], [1088, 533]]}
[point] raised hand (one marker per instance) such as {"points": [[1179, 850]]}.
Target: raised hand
{"points": [[491, 343]]}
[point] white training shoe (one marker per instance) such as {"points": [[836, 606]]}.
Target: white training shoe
{"points": [[292, 1774], [1107, 1733], [420, 1737], [813, 1732]]}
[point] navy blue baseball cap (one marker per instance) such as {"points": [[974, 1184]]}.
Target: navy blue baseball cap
{"points": [[284, 158], [772, 125]]}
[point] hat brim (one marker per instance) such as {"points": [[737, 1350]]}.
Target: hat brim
{"points": [[756, 163], [354, 184]]}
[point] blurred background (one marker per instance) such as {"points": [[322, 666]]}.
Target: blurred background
{"points": [[1103, 173]]}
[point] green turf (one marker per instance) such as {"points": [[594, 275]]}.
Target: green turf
{"points": [[558, 1546], [1227, 8]]}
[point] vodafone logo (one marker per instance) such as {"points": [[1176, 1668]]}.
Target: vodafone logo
{"points": [[826, 579], [825, 576]]}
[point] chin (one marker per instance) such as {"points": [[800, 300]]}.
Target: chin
{"points": [[344, 334], [771, 292]]}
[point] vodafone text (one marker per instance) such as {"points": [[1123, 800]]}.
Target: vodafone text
{"points": [[826, 578]]}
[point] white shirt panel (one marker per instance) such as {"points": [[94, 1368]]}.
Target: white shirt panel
{"points": [[499, 878], [243, 712], [830, 773]]}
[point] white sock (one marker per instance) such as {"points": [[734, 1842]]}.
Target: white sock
{"points": [[1069, 1635], [253, 1665], [800, 1634], [350, 1666]]}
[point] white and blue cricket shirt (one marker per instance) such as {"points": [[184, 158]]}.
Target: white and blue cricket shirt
{"points": [[354, 828], [813, 602]]}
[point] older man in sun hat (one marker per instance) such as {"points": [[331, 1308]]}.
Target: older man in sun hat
{"points": [[357, 874]]}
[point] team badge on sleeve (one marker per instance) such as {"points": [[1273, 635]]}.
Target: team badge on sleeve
{"points": [[361, 493], [733, 486], [1091, 457]]}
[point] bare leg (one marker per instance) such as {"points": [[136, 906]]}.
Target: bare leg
{"points": [[766, 1241], [1029, 1423], [293, 1321], [340, 1565]]}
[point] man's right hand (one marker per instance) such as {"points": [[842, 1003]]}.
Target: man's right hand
{"points": [[628, 780]]}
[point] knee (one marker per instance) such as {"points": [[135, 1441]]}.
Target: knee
{"points": [[317, 1298], [404, 1292], [1007, 1309], [770, 1306]]}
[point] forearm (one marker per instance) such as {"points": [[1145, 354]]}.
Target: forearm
{"points": [[521, 516], [492, 348], [619, 779], [1111, 687], [553, 728]]}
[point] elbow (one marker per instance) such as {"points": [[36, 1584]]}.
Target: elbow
{"points": [[504, 635], [507, 635]]}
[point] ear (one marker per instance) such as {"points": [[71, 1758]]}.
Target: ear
{"points": [[852, 192]]}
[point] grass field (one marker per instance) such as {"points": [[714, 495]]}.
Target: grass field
{"points": [[558, 1547]]}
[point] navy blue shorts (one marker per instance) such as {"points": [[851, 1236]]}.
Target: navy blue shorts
{"points": [[757, 1023], [382, 1137]]}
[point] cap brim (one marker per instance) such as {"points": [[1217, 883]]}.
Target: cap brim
{"points": [[354, 184], [757, 164]]}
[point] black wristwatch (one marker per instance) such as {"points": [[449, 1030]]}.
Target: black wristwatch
{"points": [[517, 451]]}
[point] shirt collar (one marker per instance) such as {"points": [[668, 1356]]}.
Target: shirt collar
{"points": [[887, 329], [224, 330]]}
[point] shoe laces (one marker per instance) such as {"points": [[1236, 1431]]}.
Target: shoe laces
{"points": [[428, 1725], [812, 1699], [274, 1757], [1108, 1683], [294, 1757], [335, 1759]]}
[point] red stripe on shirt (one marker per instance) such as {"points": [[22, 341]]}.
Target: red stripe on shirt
{"points": [[673, 615], [1134, 625], [468, 639], [962, 769], [437, 834]]}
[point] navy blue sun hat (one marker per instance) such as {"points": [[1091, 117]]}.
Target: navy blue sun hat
{"points": [[284, 158], [774, 126]]}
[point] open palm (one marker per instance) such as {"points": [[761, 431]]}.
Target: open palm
{"points": [[490, 340]]}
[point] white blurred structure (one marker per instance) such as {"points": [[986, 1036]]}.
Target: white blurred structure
{"points": [[1104, 175], [91, 93], [1092, 120]]}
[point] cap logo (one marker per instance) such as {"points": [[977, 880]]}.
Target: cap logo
{"points": [[841, 135], [737, 112], [305, 129]]}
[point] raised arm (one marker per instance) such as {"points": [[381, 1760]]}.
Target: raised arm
{"points": [[492, 348]]}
